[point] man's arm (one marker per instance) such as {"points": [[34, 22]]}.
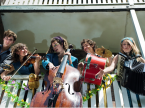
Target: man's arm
{"points": [[3, 75]]}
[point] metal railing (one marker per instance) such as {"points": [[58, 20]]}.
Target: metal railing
{"points": [[67, 2], [70, 5]]}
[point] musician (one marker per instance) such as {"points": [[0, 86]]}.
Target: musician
{"points": [[5, 52], [129, 48], [20, 53], [55, 95], [55, 55], [89, 46]]}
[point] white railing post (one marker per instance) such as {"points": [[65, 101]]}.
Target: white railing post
{"points": [[137, 28], [131, 2], [138, 31]]}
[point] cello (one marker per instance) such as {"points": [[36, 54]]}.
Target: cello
{"points": [[63, 87]]}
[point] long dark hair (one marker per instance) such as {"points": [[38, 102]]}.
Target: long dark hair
{"points": [[61, 41]]}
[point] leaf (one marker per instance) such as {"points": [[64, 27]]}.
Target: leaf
{"points": [[24, 84], [9, 95], [16, 99]]}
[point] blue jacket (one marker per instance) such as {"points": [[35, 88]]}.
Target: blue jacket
{"points": [[53, 58], [25, 70]]}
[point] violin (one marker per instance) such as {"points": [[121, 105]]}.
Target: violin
{"points": [[31, 60], [61, 91]]}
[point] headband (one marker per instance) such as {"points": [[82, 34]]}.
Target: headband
{"points": [[128, 38], [59, 38]]}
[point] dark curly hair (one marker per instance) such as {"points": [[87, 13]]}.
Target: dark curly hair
{"points": [[61, 41], [17, 47], [90, 42]]}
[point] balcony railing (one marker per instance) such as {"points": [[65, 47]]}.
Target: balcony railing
{"points": [[67, 2], [73, 5]]}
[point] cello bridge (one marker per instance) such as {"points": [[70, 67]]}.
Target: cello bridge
{"points": [[57, 80]]}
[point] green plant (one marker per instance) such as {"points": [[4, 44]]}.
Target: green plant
{"points": [[15, 98], [91, 92]]}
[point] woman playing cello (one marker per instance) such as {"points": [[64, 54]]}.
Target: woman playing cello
{"points": [[60, 89], [55, 54]]}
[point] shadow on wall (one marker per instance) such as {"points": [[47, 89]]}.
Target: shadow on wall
{"points": [[110, 30], [111, 43], [62, 35], [21, 18], [27, 37]]}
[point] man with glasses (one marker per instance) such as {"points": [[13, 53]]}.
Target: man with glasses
{"points": [[5, 52]]}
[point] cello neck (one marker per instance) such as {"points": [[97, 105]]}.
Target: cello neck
{"points": [[63, 63]]}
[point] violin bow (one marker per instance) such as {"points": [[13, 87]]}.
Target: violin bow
{"points": [[23, 63]]}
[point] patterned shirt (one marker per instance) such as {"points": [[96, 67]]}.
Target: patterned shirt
{"points": [[5, 57]]}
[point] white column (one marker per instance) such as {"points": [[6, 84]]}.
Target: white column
{"points": [[131, 2], [138, 31]]}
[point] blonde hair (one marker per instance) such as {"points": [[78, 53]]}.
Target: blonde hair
{"points": [[134, 50]]}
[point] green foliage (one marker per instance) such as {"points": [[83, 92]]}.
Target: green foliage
{"points": [[15, 98], [90, 93]]}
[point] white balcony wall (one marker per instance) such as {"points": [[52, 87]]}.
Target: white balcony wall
{"points": [[106, 28]]}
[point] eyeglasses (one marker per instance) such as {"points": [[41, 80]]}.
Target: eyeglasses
{"points": [[55, 45], [8, 39]]}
